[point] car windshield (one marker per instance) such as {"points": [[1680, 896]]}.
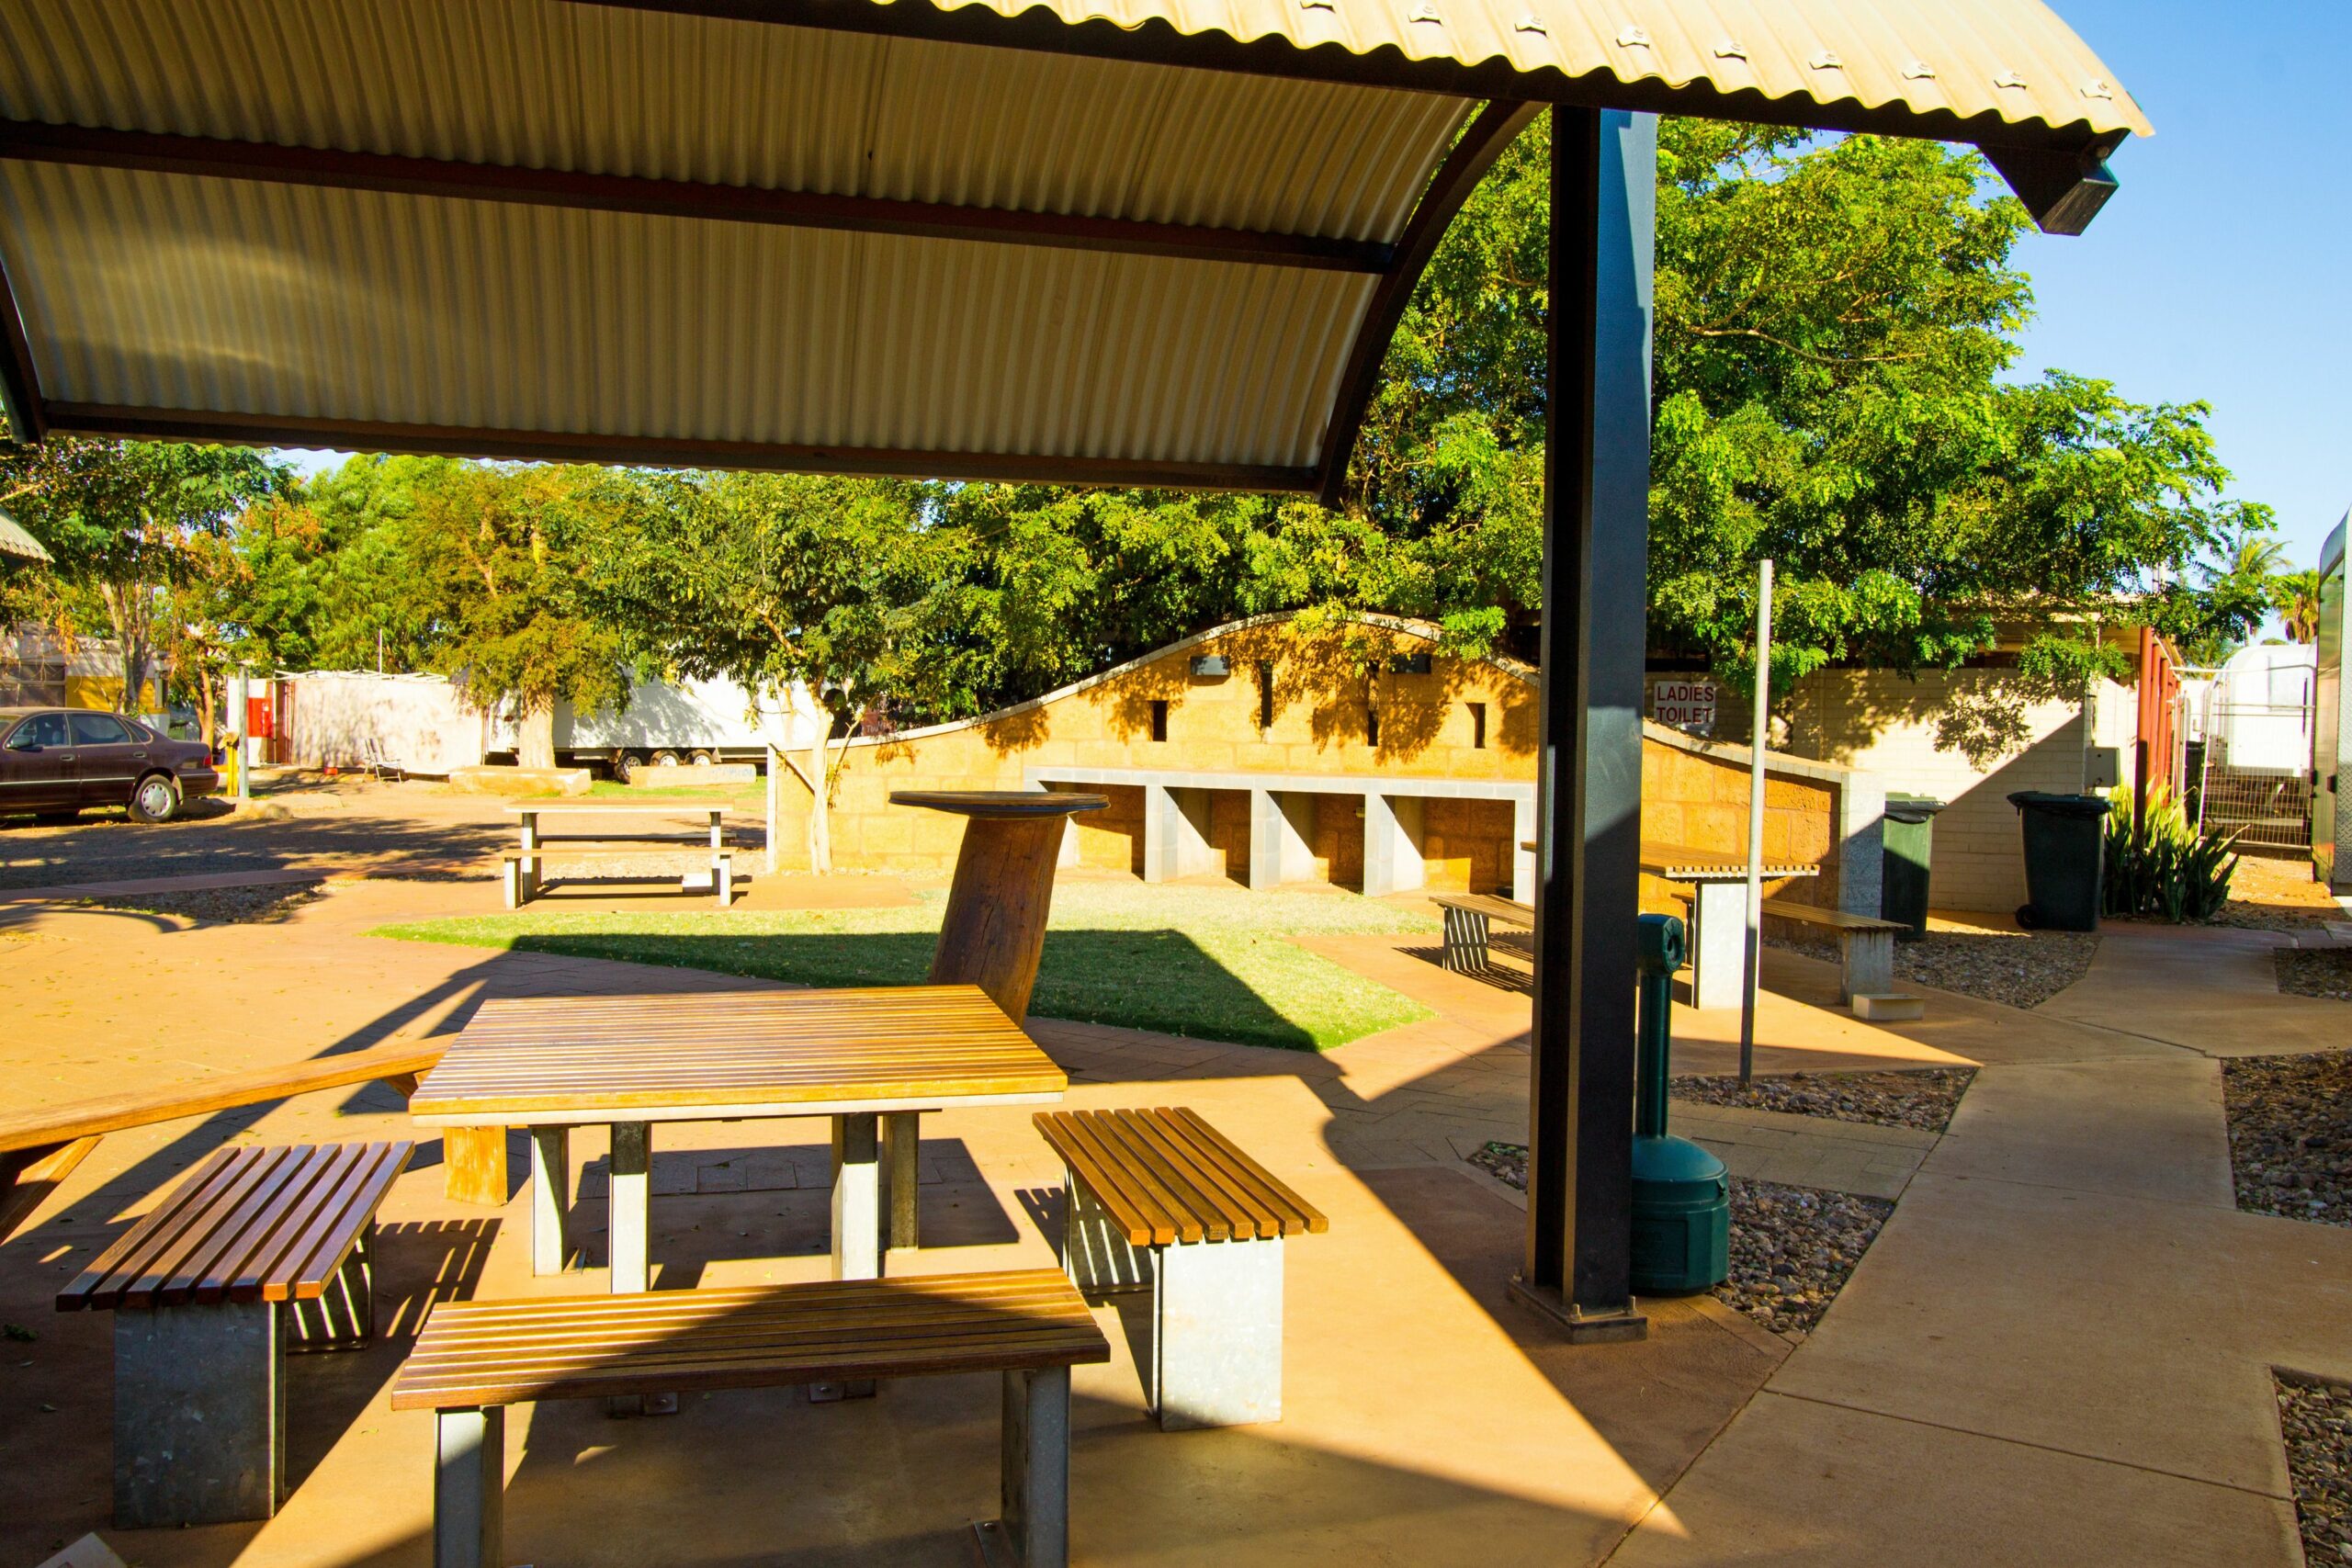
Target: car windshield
{"points": [[41, 730]]}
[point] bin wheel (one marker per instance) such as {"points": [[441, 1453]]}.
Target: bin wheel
{"points": [[2026, 920]]}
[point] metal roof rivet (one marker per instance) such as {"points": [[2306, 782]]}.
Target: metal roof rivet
{"points": [[2009, 79], [2098, 90], [1826, 61], [1531, 23], [1918, 71], [1632, 37], [1730, 49], [1424, 12]]}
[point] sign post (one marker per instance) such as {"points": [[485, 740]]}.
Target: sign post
{"points": [[1757, 736]]}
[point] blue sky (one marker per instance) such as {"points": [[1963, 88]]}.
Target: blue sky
{"points": [[2221, 271]]}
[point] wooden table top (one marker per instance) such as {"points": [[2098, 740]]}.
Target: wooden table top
{"points": [[1000, 802], [554, 1060], [618, 807], [1680, 863]]}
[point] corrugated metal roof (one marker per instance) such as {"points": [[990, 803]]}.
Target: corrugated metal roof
{"points": [[14, 541], [144, 290]]}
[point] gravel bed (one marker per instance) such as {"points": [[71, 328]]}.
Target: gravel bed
{"points": [[2316, 1420], [1792, 1248], [224, 906], [1923, 1098], [2291, 1134], [2018, 969], [2316, 972]]}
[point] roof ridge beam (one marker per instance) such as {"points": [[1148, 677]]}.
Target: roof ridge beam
{"points": [[394, 174]]}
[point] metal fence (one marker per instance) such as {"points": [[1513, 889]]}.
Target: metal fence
{"points": [[2252, 778]]}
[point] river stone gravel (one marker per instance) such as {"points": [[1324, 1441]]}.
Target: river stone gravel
{"points": [[1792, 1248], [2018, 969], [2316, 1419], [2291, 1134], [1923, 1098], [2316, 972]]}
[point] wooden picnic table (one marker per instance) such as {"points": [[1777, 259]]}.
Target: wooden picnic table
{"points": [[522, 868], [873, 1060], [1718, 943]]}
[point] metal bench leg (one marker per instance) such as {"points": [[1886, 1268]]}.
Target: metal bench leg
{"points": [[550, 1199], [901, 1176], [343, 1318], [1095, 1252], [199, 1414], [469, 1489], [510, 873], [1216, 1334], [723, 877], [1035, 1530], [1467, 935], [858, 1224], [1868, 968]]}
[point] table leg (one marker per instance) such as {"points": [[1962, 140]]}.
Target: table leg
{"points": [[628, 1221], [527, 871], [1719, 947], [857, 1224], [902, 1173], [550, 1198]]}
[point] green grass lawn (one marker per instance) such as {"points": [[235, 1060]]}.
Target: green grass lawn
{"points": [[1210, 963]]}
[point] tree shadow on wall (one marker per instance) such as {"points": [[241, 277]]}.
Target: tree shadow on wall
{"points": [[1154, 979]]}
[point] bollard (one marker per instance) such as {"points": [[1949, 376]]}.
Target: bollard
{"points": [[1681, 1193]]}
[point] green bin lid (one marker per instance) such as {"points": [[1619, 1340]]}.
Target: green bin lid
{"points": [[1914, 807], [2060, 804]]}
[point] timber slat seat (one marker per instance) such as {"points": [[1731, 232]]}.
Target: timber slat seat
{"points": [[258, 1246], [41, 1146], [475, 1358], [1158, 1200], [1865, 945], [1468, 919]]}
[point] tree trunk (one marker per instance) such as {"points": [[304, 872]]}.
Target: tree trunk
{"points": [[205, 712], [820, 826], [535, 736]]}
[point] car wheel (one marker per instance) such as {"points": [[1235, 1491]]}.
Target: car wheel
{"points": [[665, 758], [623, 766], [155, 800], [703, 759]]}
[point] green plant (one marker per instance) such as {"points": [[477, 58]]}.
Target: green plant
{"points": [[2158, 864]]}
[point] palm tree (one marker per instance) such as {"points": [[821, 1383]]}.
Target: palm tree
{"points": [[2296, 597]]}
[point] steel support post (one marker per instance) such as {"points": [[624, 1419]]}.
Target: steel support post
{"points": [[901, 1176], [1579, 1220], [199, 1414], [550, 1199], [858, 1224], [1033, 1531], [628, 1217], [469, 1488]]}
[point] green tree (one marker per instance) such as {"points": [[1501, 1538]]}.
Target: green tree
{"points": [[2295, 595]]}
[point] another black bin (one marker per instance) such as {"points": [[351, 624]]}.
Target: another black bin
{"points": [[1908, 837], [2065, 837]]}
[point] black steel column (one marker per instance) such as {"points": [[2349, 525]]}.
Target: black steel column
{"points": [[1589, 791]]}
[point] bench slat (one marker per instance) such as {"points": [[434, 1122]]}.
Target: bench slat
{"points": [[1838, 920], [478, 1353], [1166, 1175], [250, 1223], [1508, 910]]}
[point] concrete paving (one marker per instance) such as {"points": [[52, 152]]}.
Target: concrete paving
{"points": [[2057, 1352]]}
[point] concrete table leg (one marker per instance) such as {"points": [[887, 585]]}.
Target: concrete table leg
{"points": [[1719, 947], [1033, 1531], [1216, 1339], [469, 1489], [901, 1175], [550, 1198], [630, 1217], [1869, 969], [199, 1414], [858, 1224]]}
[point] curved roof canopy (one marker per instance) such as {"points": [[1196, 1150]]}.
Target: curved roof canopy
{"points": [[1117, 240]]}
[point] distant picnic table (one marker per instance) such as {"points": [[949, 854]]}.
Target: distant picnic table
{"points": [[524, 867]]}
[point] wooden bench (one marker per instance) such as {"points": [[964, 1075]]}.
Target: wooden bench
{"points": [[1468, 917], [41, 1146], [523, 868], [474, 1358], [258, 1246], [1866, 946], [1160, 1201]]}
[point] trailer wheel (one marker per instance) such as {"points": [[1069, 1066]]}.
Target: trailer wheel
{"points": [[623, 766], [666, 758], [703, 758]]}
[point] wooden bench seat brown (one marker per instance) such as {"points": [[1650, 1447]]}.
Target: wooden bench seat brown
{"points": [[259, 1247], [473, 1359], [1160, 1201], [41, 1145], [1468, 919], [1865, 944]]}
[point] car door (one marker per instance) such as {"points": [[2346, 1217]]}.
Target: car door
{"points": [[36, 765], [108, 760]]}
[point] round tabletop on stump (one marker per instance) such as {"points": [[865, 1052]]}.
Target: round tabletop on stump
{"points": [[999, 802]]}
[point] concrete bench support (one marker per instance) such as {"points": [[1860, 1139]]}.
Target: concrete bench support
{"points": [[1215, 1321], [199, 1414], [1176, 833], [1869, 967], [1033, 1529], [1718, 942], [469, 1488], [1392, 844]]}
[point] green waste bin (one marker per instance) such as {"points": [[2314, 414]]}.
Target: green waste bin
{"points": [[1908, 837], [2065, 837]]}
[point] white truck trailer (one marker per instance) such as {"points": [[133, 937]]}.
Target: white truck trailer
{"points": [[667, 723]]}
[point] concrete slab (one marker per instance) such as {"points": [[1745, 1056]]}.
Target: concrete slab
{"points": [[2210, 988], [1795, 1481], [2140, 1129]]}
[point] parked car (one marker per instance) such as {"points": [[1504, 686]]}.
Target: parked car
{"points": [[56, 761]]}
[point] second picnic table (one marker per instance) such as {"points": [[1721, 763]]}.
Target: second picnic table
{"points": [[525, 864], [1719, 912], [871, 1059]]}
